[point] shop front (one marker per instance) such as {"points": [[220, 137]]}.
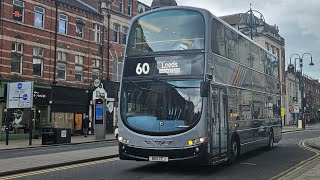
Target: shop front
{"points": [[40, 112], [19, 119], [69, 106]]}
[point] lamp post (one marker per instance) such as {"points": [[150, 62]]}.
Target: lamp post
{"points": [[251, 22], [302, 85], [301, 80], [290, 66], [109, 4]]}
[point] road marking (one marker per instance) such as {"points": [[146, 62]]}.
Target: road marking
{"points": [[57, 169], [299, 131], [250, 164], [300, 165]]}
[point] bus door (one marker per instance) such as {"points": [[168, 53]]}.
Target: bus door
{"points": [[219, 120]]}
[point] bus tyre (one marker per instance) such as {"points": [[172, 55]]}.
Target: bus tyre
{"points": [[271, 141], [234, 151]]}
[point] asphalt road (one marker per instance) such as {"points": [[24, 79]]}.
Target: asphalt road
{"points": [[258, 164], [14, 153]]}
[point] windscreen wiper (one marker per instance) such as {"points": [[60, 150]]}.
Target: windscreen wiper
{"points": [[142, 88], [168, 84]]}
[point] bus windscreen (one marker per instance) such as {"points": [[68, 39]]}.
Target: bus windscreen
{"points": [[169, 30]]}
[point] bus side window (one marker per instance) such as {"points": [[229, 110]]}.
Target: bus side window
{"points": [[217, 38]]}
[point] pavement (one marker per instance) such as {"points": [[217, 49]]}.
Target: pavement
{"points": [[36, 143], [17, 165]]}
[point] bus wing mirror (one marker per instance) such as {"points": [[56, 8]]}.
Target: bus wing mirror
{"points": [[204, 89]]}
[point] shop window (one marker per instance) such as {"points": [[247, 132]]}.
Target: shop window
{"points": [[63, 120], [18, 10]]}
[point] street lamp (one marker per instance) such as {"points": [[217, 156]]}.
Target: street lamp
{"points": [[251, 22], [301, 80], [109, 4], [302, 85], [294, 67]]}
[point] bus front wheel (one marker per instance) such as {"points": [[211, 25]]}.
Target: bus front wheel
{"points": [[271, 141], [234, 151]]}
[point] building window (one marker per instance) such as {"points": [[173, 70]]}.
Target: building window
{"points": [[121, 6], [17, 48], [80, 28], [96, 33], [115, 32], [95, 74], [78, 73], [18, 10], [129, 7], [39, 15], [267, 46], [62, 68], [62, 56], [124, 34], [95, 63], [38, 51], [16, 63], [16, 57], [79, 59], [63, 23], [38, 61], [37, 66], [119, 71]]}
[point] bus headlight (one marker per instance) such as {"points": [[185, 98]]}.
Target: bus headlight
{"points": [[194, 142], [124, 140]]}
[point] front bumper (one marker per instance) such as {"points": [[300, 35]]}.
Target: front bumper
{"points": [[198, 153]]}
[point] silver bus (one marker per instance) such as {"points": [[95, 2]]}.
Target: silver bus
{"points": [[194, 88]]}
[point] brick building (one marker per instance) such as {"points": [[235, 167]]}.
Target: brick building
{"points": [[63, 52]]}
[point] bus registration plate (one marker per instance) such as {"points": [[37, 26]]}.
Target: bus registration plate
{"points": [[158, 159]]}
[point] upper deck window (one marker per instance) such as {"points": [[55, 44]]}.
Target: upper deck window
{"points": [[169, 30]]}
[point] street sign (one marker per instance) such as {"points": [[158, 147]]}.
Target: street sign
{"points": [[282, 112], [96, 83], [20, 95]]}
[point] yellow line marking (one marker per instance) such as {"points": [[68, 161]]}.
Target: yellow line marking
{"points": [[300, 165], [57, 169]]}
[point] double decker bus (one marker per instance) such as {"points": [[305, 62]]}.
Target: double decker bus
{"points": [[194, 88]]}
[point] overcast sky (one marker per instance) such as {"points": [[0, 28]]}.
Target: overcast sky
{"points": [[297, 21]]}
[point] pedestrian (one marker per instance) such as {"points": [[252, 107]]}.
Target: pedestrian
{"points": [[86, 123]]}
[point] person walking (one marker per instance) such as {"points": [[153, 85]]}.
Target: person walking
{"points": [[86, 123]]}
